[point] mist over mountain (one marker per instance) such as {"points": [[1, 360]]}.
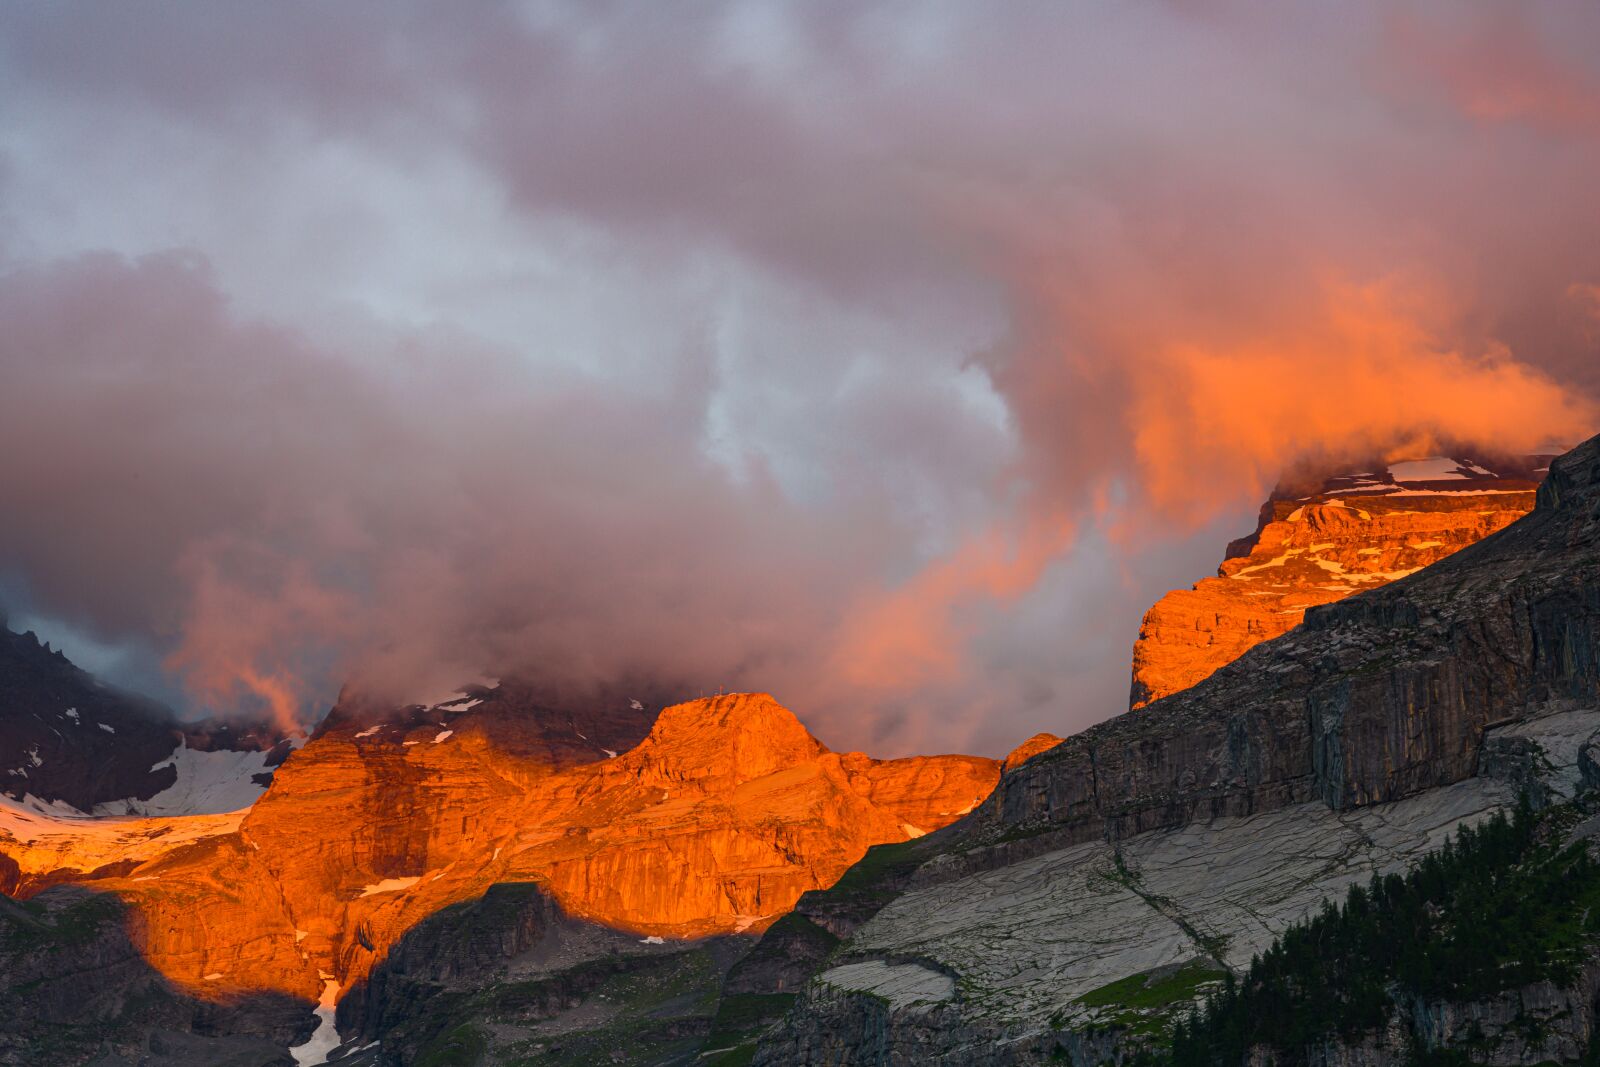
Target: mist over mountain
{"points": [[762, 534], [749, 342]]}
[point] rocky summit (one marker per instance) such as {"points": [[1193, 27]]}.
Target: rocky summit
{"points": [[1321, 539]]}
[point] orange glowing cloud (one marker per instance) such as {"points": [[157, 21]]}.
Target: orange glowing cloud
{"points": [[1498, 70], [246, 642], [916, 633], [1366, 376]]}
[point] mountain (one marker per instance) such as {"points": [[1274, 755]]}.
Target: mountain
{"points": [[1109, 881], [1321, 539], [67, 738], [514, 878], [706, 821]]}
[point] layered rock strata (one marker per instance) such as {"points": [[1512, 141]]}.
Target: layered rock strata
{"points": [[1353, 533]]}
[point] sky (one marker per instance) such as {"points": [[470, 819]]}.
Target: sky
{"points": [[891, 358]]}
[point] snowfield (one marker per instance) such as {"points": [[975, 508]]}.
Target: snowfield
{"points": [[209, 783], [44, 837]]}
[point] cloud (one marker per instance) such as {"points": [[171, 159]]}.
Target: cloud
{"points": [[283, 516], [891, 359], [1360, 376]]}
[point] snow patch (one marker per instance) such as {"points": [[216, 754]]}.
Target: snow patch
{"points": [[390, 885], [652, 940], [964, 811], [52, 835], [1457, 492], [207, 783], [107, 729], [635, 705], [912, 832], [1432, 469], [1275, 561], [369, 731], [58, 809], [610, 753], [325, 1038], [72, 713], [461, 705], [441, 735]]}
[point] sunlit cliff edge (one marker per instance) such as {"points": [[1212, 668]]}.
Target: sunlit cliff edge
{"points": [[1353, 532]]}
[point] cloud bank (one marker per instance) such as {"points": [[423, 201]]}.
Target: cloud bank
{"points": [[890, 359]]}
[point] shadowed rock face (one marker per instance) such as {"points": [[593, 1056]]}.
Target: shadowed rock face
{"points": [[68, 738], [65, 736], [1374, 697], [1349, 745], [1353, 533], [77, 989], [511, 972]]}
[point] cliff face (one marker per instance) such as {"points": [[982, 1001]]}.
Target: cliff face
{"points": [[1132, 863], [713, 822], [1372, 698], [1353, 533]]}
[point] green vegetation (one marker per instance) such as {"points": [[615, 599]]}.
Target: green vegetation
{"points": [[738, 1024], [739, 1014], [738, 1056], [874, 873], [31, 925], [1154, 990], [1497, 908], [796, 926], [622, 1010], [460, 1047], [1144, 1003]]}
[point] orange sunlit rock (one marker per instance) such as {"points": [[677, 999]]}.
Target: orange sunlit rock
{"points": [[1028, 749], [1358, 532], [714, 823]]}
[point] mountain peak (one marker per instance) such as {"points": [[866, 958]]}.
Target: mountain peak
{"points": [[1034, 745], [1322, 536], [1574, 478], [741, 736]]}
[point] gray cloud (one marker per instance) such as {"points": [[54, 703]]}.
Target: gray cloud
{"points": [[892, 358]]}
